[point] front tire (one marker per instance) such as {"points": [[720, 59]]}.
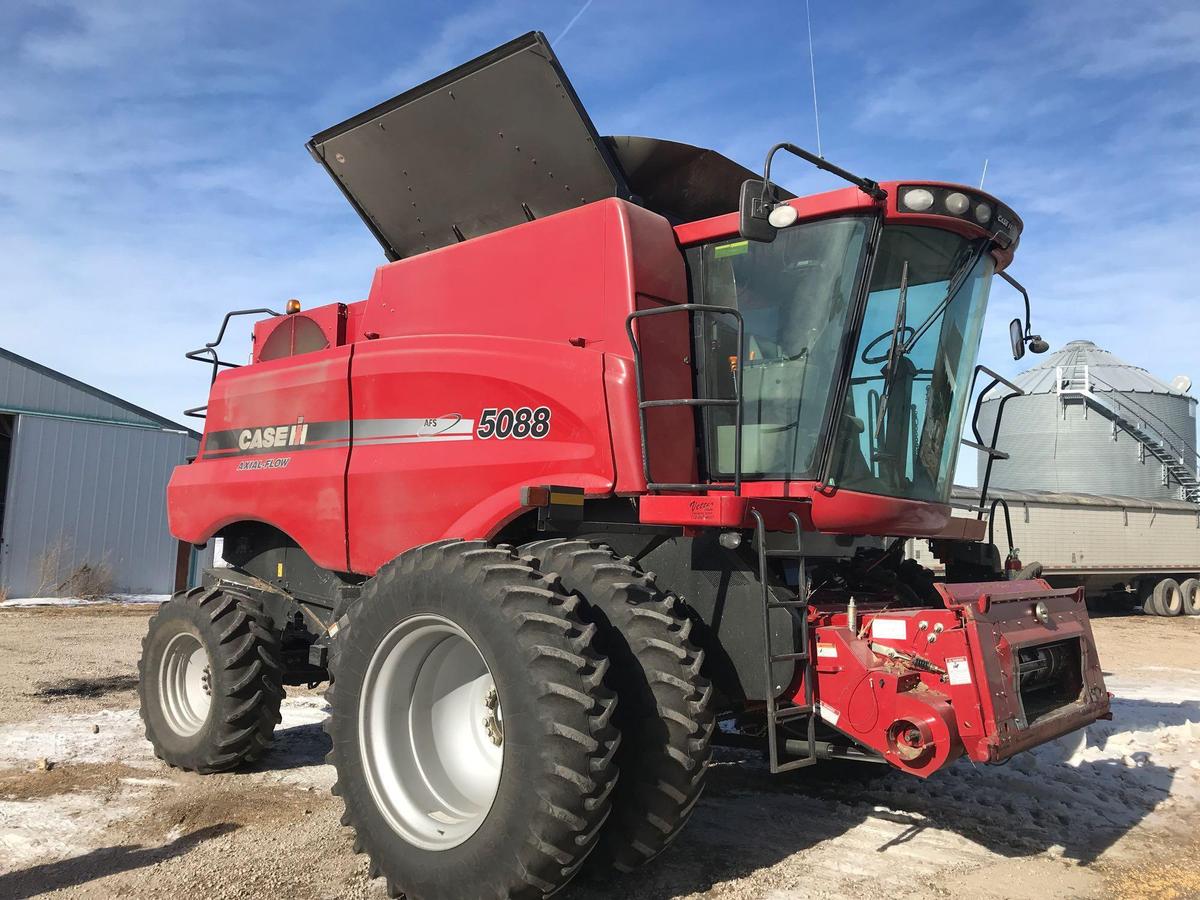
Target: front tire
{"points": [[665, 716], [210, 680], [472, 732]]}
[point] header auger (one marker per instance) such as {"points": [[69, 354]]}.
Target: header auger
{"points": [[602, 461]]}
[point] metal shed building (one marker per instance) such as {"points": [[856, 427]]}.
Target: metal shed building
{"points": [[83, 478]]}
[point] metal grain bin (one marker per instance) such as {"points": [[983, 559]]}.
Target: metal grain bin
{"points": [[1091, 423]]}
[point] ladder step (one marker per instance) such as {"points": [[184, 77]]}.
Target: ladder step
{"points": [[786, 604], [787, 657], [792, 712], [783, 554]]}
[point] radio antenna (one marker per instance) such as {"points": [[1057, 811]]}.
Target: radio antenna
{"points": [[812, 69], [984, 175]]}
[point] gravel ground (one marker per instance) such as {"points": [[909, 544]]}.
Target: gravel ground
{"points": [[1114, 815]]}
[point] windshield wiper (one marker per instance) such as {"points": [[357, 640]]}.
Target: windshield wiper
{"points": [[956, 281], [894, 351]]}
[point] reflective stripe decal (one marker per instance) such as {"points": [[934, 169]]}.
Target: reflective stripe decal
{"points": [[301, 435]]}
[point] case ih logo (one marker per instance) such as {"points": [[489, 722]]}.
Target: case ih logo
{"points": [[273, 436]]}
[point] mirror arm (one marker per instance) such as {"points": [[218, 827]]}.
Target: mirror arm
{"points": [[1030, 338], [1024, 293], [866, 185]]}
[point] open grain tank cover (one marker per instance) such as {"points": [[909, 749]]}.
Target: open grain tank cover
{"points": [[490, 144], [679, 181]]}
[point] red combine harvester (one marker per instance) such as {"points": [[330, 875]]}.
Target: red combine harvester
{"points": [[602, 472]]}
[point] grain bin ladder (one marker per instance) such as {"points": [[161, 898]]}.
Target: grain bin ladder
{"points": [[1077, 381]]}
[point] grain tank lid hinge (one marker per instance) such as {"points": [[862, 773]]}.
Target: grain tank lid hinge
{"points": [[495, 142]]}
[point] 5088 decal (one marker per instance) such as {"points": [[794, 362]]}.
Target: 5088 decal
{"points": [[506, 422]]}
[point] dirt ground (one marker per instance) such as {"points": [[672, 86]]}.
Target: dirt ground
{"points": [[86, 810]]}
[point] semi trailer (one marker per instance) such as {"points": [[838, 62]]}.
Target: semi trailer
{"points": [[616, 460], [1124, 552]]}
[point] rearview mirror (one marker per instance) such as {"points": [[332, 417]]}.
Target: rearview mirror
{"points": [[754, 210], [1016, 337]]}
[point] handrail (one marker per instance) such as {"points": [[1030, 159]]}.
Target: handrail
{"points": [[989, 450], [1159, 423], [208, 353], [1125, 402], [693, 402], [1000, 501]]}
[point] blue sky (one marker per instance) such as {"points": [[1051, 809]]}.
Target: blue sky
{"points": [[153, 173]]}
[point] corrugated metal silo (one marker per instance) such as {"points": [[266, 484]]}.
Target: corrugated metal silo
{"points": [[1091, 423]]}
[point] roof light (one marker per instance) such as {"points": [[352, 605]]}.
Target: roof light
{"points": [[293, 306], [957, 203], [983, 213], [917, 199], [783, 215]]}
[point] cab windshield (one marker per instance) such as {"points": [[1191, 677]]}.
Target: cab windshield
{"points": [[794, 295], [899, 430]]}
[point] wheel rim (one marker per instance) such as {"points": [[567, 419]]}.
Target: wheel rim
{"points": [[185, 684], [431, 732]]}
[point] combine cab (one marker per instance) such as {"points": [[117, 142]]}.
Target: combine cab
{"points": [[616, 460]]}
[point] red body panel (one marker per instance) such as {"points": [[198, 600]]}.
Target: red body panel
{"points": [[421, 487], [833, 511], [847, 200], [305, 497], [533, 316]]}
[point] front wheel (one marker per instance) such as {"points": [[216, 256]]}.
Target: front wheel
{"points": [[210, 680], [472, 731]]}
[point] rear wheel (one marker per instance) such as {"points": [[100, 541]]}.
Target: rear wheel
{"points": [[665, 717], [472, 731], [1168, 598], [210, 680], [1190, 589], [1147, 596]]}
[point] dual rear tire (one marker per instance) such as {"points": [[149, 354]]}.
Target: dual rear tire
{"points": [[1171, 598], [472, 728], [664, 714], [500, 715], [1190, 592]]}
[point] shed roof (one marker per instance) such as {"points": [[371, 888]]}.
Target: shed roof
{"points": [[1062, 498], [27, 387], [1107, 372]]}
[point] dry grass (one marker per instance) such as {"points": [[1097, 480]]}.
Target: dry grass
{"points": [[59, 575]]}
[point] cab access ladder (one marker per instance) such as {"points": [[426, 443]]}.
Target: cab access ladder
{"points": [[804, 752]]}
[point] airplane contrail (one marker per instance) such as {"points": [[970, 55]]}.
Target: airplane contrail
{"points": [[574, 19]]}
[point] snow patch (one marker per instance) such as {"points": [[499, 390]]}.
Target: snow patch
{"points": [[296, 755], [80, 601], [53, 827]]}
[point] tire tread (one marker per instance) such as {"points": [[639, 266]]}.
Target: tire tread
{"points": [[655, 670], [248, 649]]}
